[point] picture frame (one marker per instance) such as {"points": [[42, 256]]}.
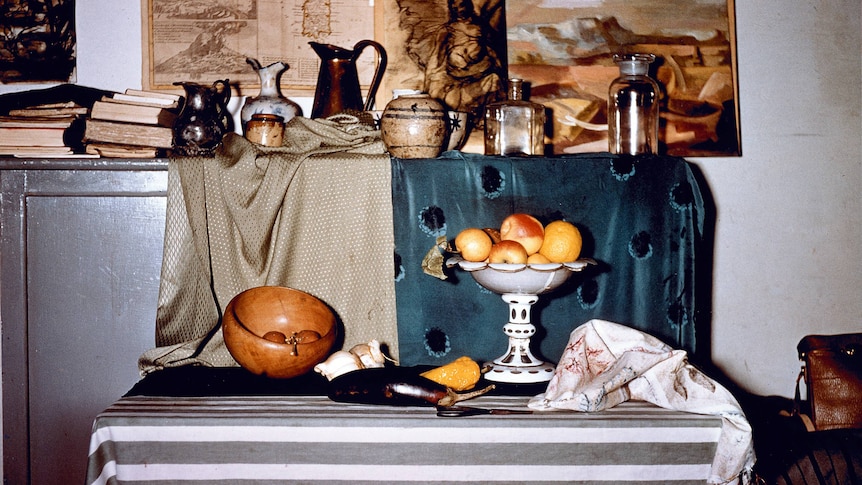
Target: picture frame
{"points": [[38, 42], [452, 49], [205, 41], [564, 49]]}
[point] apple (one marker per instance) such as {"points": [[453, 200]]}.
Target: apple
{"points": [[508, 251], [524, 229], [474, 244], [537, 258]]}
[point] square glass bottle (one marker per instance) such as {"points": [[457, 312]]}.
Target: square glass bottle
{"points": [[515, 127]]}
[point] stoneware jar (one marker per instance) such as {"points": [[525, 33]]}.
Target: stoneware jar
{"points": [[414, 126], [265, 129]]}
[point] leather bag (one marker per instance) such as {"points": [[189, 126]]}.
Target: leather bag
{"points": [[832, 372]]}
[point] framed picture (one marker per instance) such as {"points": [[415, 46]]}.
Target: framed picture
{"points": [[564, 48], [208, 40], [37, 41], [452, 49]]}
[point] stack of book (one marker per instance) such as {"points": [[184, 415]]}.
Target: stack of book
{"points": [[42, 130], [133, 124]]}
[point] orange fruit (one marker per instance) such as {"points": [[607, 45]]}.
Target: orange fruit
{"points": [[474, 244], [562, 242]]}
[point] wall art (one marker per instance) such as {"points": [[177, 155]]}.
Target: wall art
{"points": [[37, 41], [204, 41], [564, 48], [452, 49]]}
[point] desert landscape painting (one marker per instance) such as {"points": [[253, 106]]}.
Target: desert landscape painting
{"points": [[564, 48]]}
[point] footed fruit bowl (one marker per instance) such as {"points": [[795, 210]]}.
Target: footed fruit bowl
{"points": [[529, 279], [278, 332], [520, 286]]}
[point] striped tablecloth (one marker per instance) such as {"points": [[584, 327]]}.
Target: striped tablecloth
{"points": [[302, 439]]}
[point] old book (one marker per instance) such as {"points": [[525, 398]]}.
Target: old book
{"points": [[114, 150], [35, 151], [43, 132], [141, 99], [131, 113], [128, 133], [36, 121], [152, 94], [69, 108]]}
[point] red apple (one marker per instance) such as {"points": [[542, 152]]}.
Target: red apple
{"points": [[508, 251], [524, 229]]}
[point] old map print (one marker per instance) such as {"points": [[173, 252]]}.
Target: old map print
{"points": [[207, 40]]}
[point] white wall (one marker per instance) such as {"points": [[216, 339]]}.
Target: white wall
{"points": [[788, 256]]}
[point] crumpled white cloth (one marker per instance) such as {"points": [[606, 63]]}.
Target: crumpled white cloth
{"points": [[607, 363]]}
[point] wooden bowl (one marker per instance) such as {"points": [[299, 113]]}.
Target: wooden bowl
{"points": [[307, 325]]}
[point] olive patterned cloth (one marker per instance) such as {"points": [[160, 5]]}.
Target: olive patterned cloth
{"points": [[314, 214], [643, 220]]}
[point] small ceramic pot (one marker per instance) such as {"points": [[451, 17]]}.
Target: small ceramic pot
{"points": [[265, 129], [414, 126]]}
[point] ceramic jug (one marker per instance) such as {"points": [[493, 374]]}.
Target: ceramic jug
{"points": [[338, 87], [414, 126], [270, 100], [204, 119]]}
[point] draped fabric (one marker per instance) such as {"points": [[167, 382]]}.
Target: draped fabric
{"points": [[606, 364], [327, 217], [312, 215], [643, 219]]}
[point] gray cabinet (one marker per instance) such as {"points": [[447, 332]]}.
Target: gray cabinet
{"points": [[80, 255]]}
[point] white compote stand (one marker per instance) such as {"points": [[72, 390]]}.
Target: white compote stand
{"points": [[520, 286]]}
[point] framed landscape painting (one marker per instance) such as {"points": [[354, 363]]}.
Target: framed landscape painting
{"points": [[564, 48]]}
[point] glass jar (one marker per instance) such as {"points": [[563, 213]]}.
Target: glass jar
{"points": [[515, 126], [633, 107]]}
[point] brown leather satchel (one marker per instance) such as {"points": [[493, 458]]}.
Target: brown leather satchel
{"points": [[832, 372]]}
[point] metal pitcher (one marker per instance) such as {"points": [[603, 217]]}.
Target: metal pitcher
{"points": [[204, 118], [338, 81]]}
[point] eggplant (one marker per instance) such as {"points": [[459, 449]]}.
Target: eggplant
{"points": [[395, 386]]}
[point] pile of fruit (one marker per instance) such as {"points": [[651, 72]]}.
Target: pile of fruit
{"points": [[521, 239]]}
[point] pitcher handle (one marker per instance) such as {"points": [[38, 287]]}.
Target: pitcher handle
{"points": [[225, 89], [224, 115], [378, 70]]}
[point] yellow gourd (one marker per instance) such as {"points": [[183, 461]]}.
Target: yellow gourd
{"points": [[461, 374]]}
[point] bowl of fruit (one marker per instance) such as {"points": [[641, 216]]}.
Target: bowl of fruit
{"points": [[519, 261], [522, 256], [278, 332]]}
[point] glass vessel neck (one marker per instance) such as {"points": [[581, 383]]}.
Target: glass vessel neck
{"points": [[516, 90], [634, 64]]}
